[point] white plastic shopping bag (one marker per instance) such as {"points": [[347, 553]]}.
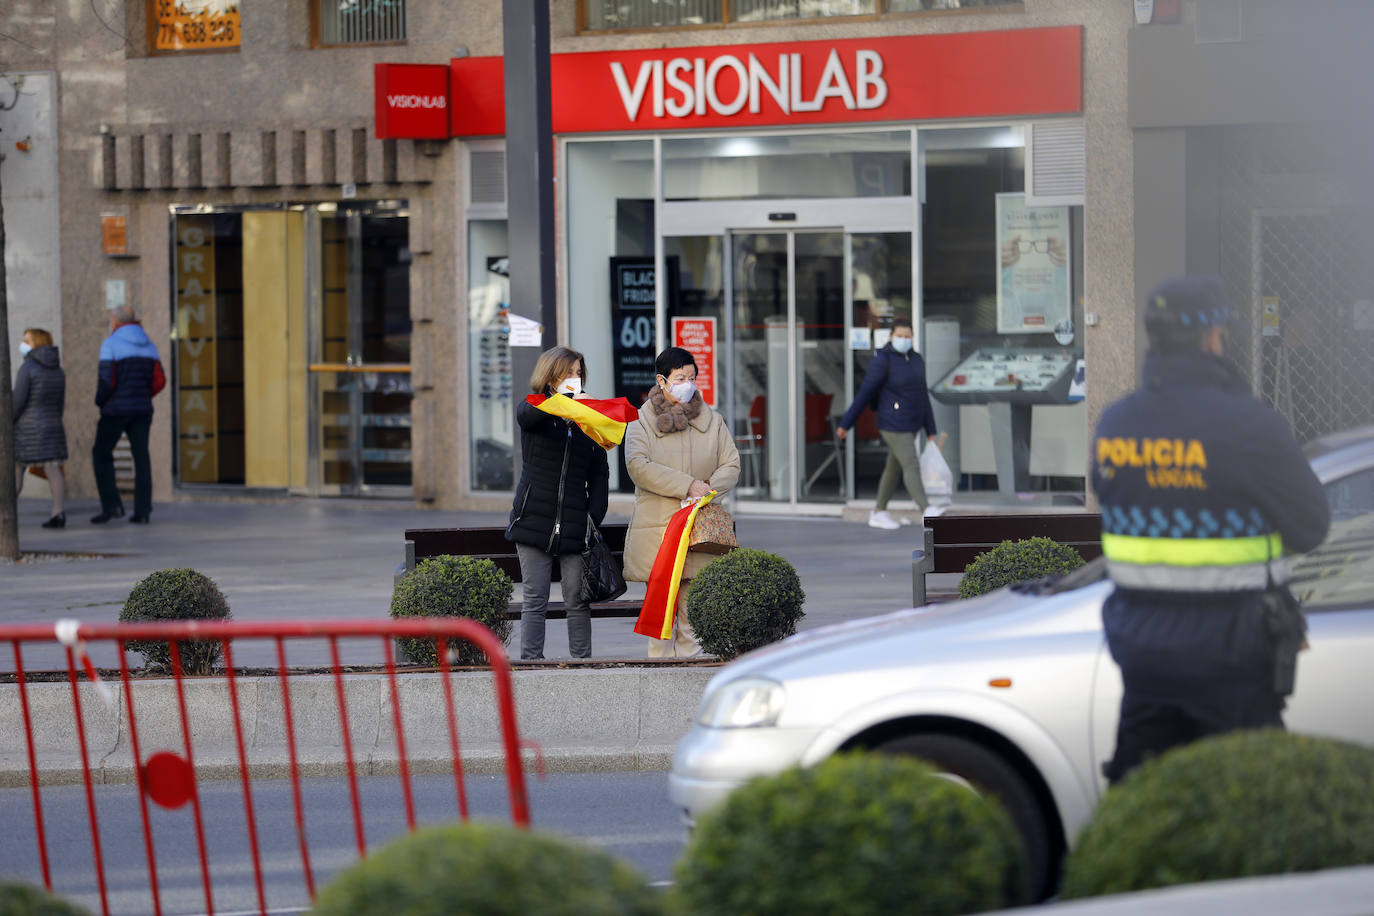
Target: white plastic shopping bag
{"points": [[936, 476]]}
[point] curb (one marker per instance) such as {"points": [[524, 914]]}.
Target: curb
{"points": [[596, 720]]}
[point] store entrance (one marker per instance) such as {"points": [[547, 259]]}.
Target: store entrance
{"points": [[802, 310], [360, 366]]}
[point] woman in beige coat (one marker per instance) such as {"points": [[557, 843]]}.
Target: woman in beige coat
{"points": [[679, 448]]}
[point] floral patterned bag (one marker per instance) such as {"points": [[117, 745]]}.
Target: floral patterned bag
{"points": [[713, 531]]}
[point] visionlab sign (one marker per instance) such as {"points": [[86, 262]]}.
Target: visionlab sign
{"points": [[1019, 72], [412, 100]]}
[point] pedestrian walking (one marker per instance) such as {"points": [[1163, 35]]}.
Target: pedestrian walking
{"points": [[564, 486], [40, 441], [1203, 492], [130, 374], [895, 386]]}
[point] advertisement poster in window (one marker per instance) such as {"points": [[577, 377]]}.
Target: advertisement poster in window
{"points": [[1033, 266], [698, 337], [196, 25]]}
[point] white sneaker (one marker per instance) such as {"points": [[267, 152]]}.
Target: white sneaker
{"points": [[907, 520], [880, 518]]}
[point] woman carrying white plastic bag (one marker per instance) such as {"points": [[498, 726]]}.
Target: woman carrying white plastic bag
{"points": [[936, 477]]}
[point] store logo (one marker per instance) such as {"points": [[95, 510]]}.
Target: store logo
{"points": [[417, 101], [691, 86]]}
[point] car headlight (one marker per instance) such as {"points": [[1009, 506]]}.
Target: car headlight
{"points": [[749, 702]]}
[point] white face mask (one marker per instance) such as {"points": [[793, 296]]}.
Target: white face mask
{"points": [[683, 392], [902, 344], [24, 348], [572, 386]]}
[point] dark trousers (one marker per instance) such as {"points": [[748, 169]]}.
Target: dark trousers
{"points": [[536, 574], [1150, 726], [107, 433]]}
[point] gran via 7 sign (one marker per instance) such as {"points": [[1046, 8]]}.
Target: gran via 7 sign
{"points": [[1018, 72]]}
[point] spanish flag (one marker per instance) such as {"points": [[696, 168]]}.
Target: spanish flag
{"points": [[602, 420], [660, 599]]}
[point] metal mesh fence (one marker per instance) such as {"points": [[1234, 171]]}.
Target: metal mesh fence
{"points": [[1297, 270]]}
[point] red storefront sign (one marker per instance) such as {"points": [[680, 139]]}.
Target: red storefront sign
{"points": [[698, 337], [412, 100], [1013, 73]]}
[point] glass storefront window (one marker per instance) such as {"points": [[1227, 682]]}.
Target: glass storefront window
{"points": [[1002, 318], [490, 385], [640, 14], [611, 269], [774, 166]]}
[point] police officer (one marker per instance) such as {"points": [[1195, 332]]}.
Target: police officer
{"points": [[1203, 490]]}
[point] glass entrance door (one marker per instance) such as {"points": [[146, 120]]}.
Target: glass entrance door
{"points": [[361, 389]]}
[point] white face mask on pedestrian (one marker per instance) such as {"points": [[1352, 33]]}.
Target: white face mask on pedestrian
{"points": [[571, 386], [24, 348], [683, 392], [902, 344]]}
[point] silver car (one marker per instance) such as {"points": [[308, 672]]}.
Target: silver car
{"points": [[1015, 692]]}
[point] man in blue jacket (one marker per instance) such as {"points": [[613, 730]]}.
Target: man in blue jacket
{"points": [[1203, 491], [130, 374], [895, 386]]}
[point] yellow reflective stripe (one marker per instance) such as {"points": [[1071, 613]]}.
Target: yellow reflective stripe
{"points": [[1144, 551]]}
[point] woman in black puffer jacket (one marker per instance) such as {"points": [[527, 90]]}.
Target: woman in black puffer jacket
{"points": [[40, 391], [563, 483]]}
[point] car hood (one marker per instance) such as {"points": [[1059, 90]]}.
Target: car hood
{"points": [[1003, 623]]}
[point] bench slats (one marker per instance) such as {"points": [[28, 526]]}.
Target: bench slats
{"points": [[961, 539]]}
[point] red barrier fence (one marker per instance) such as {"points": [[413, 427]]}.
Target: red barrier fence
{"points": [[169, 778]]}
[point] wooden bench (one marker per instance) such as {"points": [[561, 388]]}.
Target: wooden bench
{"points": [[491, 544], [954, 541]]}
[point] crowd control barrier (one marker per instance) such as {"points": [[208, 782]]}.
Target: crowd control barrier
{"points": [[171, 778]]}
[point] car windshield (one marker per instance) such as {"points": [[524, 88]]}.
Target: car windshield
{"points": [[1340, 573]]}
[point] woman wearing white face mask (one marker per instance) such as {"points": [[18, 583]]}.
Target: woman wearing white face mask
{"points": [[895, 386], [40, 391], [679, 448], [564, 478]]}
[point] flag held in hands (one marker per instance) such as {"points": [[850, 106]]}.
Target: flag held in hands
{"points": [[604, 421], [660, 598]]}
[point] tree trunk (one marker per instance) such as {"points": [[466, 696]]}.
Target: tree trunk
{"points": [[9, 508]]}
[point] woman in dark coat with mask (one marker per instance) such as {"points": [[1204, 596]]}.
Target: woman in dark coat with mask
{"points": [[564, 481], [40, 391], [896, 387]]}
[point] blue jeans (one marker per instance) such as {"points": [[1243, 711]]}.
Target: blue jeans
{"points": [[107, 433], [536, 573]]}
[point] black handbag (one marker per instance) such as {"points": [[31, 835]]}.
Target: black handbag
{"points": [[601, 576]]}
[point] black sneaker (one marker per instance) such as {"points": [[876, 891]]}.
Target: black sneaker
{"points": [[138, 519], [107, 514], [57, 521]]}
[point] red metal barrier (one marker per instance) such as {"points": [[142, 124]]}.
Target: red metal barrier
{"points": [[169, 778]]}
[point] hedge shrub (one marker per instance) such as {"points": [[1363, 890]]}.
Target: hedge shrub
{"points": [[858, 834], [1017, 561], [743, 600], [488, 870], [176, 594], [449, 586], [1247, 803], [17, 899]]}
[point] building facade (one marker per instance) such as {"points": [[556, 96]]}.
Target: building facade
{"points": [[771, 184]]}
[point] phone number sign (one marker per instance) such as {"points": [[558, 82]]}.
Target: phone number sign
{"points": [[698, 337], [197, 26]]}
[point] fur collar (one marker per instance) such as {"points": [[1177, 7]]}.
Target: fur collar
{"points": [[674, 418]]}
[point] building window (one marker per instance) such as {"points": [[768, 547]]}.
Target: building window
{"points": [[194, 25], [600, 15], [355, 22]]}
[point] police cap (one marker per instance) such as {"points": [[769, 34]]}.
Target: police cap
{"points": [[1188, 304]]}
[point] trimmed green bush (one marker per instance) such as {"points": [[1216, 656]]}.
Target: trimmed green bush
{"points": [[1017, 561], [858, 834], [743, 600], [1247, 803], [176, 594], [18, 899], [488, 870], [449, 586]]}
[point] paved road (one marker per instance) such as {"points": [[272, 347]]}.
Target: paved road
{"points": [[626, 814], [317, 559]]}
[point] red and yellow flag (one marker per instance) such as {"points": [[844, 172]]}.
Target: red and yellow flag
{"points": [[602, 420], [660, 598]]}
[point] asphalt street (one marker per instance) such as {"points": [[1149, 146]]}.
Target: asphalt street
{"points": [[625, 814], [334, 559]]}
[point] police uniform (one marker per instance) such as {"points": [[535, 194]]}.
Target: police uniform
{"points": [[1203, 490]]}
